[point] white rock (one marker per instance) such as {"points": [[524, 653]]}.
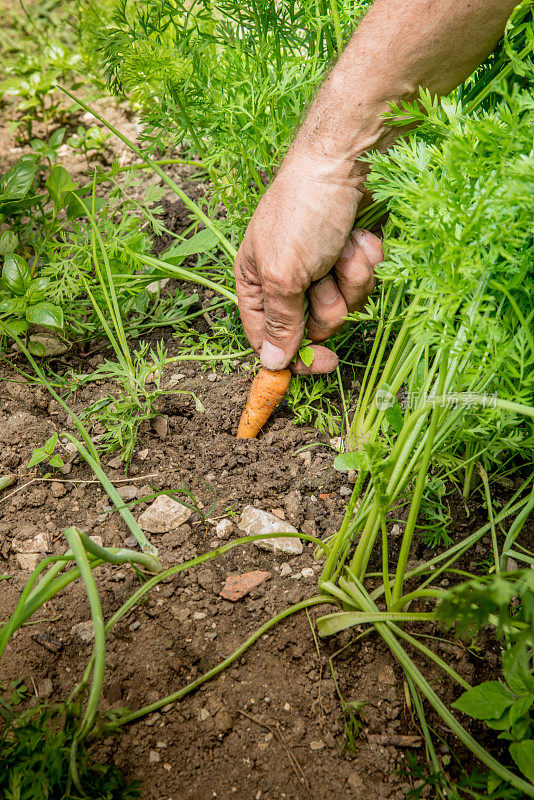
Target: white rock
{"points": [[164, 514], [223, 529], [40, 543], [157, 286], [153, 757], [285, 570], [84, 631], [28, 561], [203, 714], [48, 344], [255, 521], [308, 572]]}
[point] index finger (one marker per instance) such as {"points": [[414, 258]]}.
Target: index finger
{"points": [[250, 298]]}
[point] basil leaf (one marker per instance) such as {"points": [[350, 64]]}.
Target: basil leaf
{"points": [[45, 314]]}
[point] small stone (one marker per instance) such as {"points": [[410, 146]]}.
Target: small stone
{"points": [[128, 492], [223, 529], [142, 454], [161, 426], [47, 345], [97, 540], [157, 286], [355, 782], [130, 542], [386, 675], [211, 377], [198, 615], [285, 570], [512, 565], [164, 514], [203, 715], [58, 489], [44, 687], [307, 572], [135, 625], [345, 491], [150, 721], [115, 463], [161, 745], [278, 512], [317, 744], [335, 442], [306, 457], [287, 707], [153, 757], [28, 561], [237, 586], [175, 379], [395, 531], [40, 543], [83, 631], [352, 475], [255, 521]]}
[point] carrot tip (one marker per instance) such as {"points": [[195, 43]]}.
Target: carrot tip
{"points": [[267, 390]]}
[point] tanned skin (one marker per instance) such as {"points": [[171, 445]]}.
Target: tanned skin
{"points": [[300, 240]]}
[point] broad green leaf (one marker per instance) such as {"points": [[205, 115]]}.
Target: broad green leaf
{"points": [[523, 755], [11, 207], [201, 242], [345, 461], [50, 444], [36, 348], [14, 185], [520, 708], [37, 290], [57, 137], [307, 354], [12, 305], [59, 184], [38, 455], [16, 274], [56, 462], [487, 701], [45, 314], [8, 242], [14, 327], [80, 207]]}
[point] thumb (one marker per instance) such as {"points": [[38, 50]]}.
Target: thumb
{"points": [[283, 329]]}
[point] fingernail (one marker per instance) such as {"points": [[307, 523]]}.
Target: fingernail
{"points": [[348, 250], [370, 244], [326, 291], [272, 357]]}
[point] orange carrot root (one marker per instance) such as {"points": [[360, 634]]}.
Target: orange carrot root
{"points": [[267, 390]]}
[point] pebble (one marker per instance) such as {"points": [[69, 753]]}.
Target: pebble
{"points": [[131, 541], [238, 586], [211, 377], [128, 492], [317, 744], [44, 687], [307, 572], [345, 491], [135, 625], [150, 721], [40, 543], [142, 454], [58, 489], [285, 570], [386, 675], [255, 521], [203, 714], [223, 529], [83, 631], [153, 757], [161, 426], [28, 561], [164, 514]]}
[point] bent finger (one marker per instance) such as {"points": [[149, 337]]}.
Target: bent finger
{"points": [[328, 309], [250, 298], [354, 270], [324, 361]]}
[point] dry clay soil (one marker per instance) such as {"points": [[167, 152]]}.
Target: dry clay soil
{"points": [[270, 726]]}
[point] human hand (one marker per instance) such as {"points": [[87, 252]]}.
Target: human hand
{"points": [[300, 243]]}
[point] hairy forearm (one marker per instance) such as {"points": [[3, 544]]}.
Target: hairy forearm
{"points": [[399, 46]]}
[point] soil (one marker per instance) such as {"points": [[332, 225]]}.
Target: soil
{"points": [[270, 726]]}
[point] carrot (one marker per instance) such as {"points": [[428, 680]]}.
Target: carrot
{"points": [[267, 390]]}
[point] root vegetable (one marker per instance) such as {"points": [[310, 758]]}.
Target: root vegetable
{"points": [[267, 390]]}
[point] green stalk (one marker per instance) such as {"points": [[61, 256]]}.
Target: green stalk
{"points": [[496, 558], [337, 26], [171, 271], [420, 483], [191, 205]]}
